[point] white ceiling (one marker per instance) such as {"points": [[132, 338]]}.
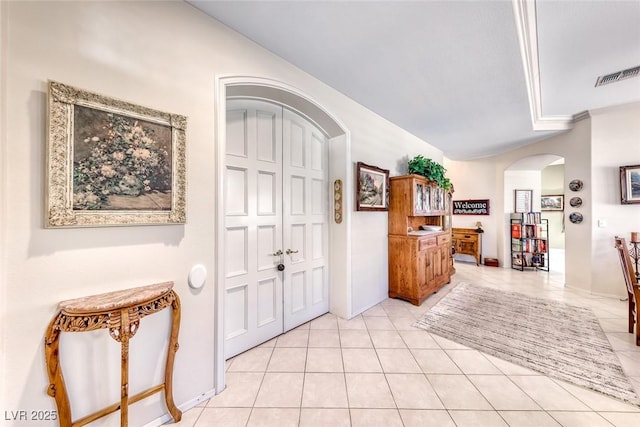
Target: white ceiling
{"points": [[451, 72]]}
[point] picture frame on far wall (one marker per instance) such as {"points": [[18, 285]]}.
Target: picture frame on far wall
{"points": [[372, 188], [630, 184], [112, 163], [522, 200], [552, 202]]}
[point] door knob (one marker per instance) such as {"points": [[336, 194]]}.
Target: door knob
{"points": [[289, 252], [278, 253], [280, 267]]}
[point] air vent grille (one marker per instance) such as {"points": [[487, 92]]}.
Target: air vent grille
{"points": [[618, 75]]}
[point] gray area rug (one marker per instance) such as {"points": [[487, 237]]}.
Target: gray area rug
{"points": [[559, 340]]}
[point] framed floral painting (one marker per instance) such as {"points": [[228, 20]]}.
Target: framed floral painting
{"points": [[110, 162]]}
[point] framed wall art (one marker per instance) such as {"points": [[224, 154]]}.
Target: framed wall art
{"points": [[372, 188], [111, 163], [630, 184], [552, 203], [523, 200]]}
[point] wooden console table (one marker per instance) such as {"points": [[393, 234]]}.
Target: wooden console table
{"points": [[120, 312], [467, 241]]}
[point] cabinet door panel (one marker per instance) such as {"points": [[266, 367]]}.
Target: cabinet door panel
{"points": [[467, 248], [418, 197], [431, 264]]}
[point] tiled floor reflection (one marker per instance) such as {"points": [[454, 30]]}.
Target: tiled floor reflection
{"points": [[377, 370]]}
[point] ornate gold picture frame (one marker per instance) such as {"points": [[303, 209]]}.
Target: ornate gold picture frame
{"points": [[112, 163]]}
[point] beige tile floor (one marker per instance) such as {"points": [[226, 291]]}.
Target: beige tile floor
{"points": [[378, 370]]}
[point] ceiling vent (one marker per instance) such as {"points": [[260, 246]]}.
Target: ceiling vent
{"points": [[617, 76]]}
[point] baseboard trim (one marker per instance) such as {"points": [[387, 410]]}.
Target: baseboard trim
{"points": [[184, 407]]}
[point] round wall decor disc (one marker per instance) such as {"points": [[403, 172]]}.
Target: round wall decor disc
{"points": [[576, 217], [575, 202], [576, 185]]}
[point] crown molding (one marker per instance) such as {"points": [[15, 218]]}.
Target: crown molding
{"points": [[527, 28], [581, 116]]}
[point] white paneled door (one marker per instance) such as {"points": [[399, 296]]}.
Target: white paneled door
{"points": [[276, 223], [305, 206]]}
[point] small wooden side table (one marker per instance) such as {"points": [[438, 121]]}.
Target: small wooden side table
{"points": [[467, 241], [120, 312]]}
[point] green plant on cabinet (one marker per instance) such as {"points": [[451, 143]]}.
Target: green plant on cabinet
{"points": [[430, 169]]}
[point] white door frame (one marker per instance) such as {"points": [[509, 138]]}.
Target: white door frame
{"points": [[340, 168]]}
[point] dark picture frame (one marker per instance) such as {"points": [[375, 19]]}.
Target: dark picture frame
{"points": [[553, 202], [630, 184], [523, 200], [112, 163], [372, 188]]}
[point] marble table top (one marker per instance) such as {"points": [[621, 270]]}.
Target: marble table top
{"points": [[115, 300]]}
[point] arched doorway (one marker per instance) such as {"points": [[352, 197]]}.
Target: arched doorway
{"points": [[544, 174], [339, 159]]}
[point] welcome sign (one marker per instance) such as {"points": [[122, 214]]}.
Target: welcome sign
{"points": [[471, 207]]}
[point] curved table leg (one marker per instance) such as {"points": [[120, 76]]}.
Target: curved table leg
{"points": [[57, 388], [173, 348], [121, 316]]}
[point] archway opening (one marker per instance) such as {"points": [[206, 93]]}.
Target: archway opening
{"points": [[340, 165], [544, 175]]}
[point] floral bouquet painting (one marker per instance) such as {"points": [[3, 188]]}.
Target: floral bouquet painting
{"points": [[120, 162], [111, 162]]}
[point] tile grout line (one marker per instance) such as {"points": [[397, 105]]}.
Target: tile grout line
{"points": [[409, 348]]}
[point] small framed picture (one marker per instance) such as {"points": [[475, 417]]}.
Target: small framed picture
{"points": [[630, 184], [552, 202], [372, 188], [522, 200]]}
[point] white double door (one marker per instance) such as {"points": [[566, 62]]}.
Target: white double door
{"points": [[276, 223]]}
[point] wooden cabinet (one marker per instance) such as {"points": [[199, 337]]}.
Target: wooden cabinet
{"points": [[467, 241], [420, 260]]}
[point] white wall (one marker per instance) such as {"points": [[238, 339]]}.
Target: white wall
{"points": [[553, 183], [3, 190], [476, 182], [573, 146], [521, 180], [593, 150], [615, 143], [163, 55]]}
